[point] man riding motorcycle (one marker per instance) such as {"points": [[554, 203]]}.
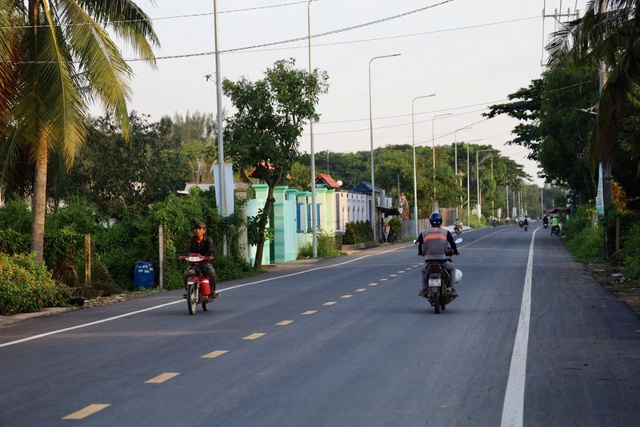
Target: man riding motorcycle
{"points": [[202, 245], [432, 244], [457, 226]]}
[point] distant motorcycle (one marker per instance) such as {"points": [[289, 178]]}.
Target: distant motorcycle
{"points": [[457, 228]]}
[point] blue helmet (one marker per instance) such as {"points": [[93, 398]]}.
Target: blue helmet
{"points": [[435, 219]]}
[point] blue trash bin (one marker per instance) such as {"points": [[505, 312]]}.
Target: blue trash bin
{"points": [[143, 277]]}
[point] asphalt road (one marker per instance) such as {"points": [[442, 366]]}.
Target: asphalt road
{"points": [[531, 341]]}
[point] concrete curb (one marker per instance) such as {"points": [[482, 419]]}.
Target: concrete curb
{"points": [[14, 318]]}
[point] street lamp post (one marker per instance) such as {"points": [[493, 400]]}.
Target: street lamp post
{"points": [[373, 185], [415, 179], [455, 149], [313, 159], [455, 145], [478, 180], [469, 184], [433, 152]]}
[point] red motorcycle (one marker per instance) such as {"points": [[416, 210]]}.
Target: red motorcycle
{"points": [[198, 285]]}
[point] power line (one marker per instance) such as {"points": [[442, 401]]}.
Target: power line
{"points": [[341, 30], [192, 15]]}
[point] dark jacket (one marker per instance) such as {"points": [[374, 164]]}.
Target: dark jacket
{"points": [[204, 248]]}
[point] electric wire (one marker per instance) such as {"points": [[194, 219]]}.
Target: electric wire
{"points": [[341, 30]]}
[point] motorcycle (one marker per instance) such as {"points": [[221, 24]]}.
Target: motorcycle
{"points": [[439, 294], [526, 226], [555, 230], [458, 228], [545, 225], [198, 286]]}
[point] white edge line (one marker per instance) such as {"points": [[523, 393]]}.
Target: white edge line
{"points": [[513, 407], [84, 325]]}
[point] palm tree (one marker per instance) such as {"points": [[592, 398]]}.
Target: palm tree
{"points": [[61, 58], [608, 32]]}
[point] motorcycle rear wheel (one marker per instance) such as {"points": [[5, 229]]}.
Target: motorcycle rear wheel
{"points": [[192, 299], [436, 301]]}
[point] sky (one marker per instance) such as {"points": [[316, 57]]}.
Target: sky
{"points": [[471, 54]]}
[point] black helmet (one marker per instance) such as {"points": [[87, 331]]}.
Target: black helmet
{"points": [[435, 219]]}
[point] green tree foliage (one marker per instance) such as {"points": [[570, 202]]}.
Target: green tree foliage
{"points": [[62, 58], [134, 175], [299, 176], [265, 130], [194, 133], [608, 34], [554, 118]]}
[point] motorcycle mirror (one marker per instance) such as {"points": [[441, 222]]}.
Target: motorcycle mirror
{"points": [[458, 240]]}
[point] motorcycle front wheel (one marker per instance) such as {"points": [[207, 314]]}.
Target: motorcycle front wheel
{"points": [[192, 298]]}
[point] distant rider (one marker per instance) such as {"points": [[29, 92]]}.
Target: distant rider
{"points": [[202, 245], [458, 225], [432, 244], [554, 225]]}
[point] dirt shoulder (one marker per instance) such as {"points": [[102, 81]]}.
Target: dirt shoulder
{"points": [[611, 279]]}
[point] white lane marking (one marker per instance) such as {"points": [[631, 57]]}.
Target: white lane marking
{"points": [[513, 407], [180, 301]]}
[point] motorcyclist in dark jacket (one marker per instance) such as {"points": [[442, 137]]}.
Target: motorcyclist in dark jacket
{"points": [[432, 244], [202, 245]]}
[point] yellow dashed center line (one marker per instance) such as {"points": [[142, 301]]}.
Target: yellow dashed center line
{"points": [[214, 354], [329, 303], [89, 410], [254, 336], [162, 378], [285, 322], [346, 296], [309, 312]]}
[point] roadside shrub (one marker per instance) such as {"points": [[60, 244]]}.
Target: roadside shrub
{"points": [[327, 247], [15, 215], [630, 253], [13, 242], [395, 228], [26, 286], [357, 232], [586, 245]]}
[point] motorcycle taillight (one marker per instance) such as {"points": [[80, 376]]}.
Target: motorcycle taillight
{"points": [[433, 268]]}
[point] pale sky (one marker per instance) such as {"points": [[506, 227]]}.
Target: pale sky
{"points": [[469, 53]]}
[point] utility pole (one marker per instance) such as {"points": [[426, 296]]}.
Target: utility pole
{"points": [[556, 16]]}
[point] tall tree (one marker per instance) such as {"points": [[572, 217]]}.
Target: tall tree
{"points": [[134, 175], [62, 58], [609, 32], [194, 132], [265, 130]]}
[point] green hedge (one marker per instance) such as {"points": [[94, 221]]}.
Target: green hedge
{"points": [[26, 286]]}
